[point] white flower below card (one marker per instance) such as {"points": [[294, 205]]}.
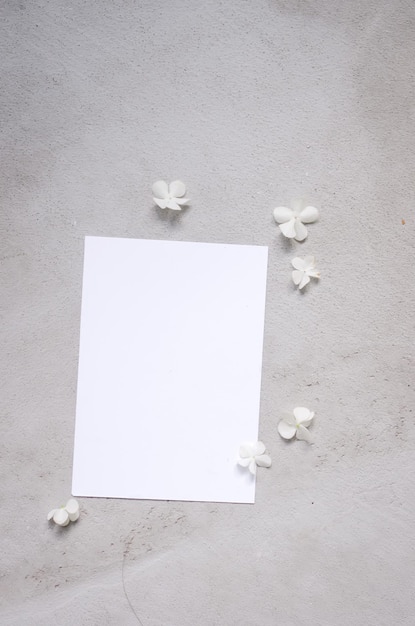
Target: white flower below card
{"points": [[291, 221], [296, 424], [169, 196], [252, 454], [65, 514], [304, 269]]}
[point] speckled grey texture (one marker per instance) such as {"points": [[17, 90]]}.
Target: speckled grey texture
{"points": [[250, 103]]}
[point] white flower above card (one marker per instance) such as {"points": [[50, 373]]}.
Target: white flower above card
{"points": [[65, 514], [291, 221], [296, 424], [304, 270], [170, 196], [252, 455]]}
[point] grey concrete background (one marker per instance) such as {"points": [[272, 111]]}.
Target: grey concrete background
{"points": [[250, 103]]}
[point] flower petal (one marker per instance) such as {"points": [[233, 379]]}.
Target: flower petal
{"points": [[283, 214], [300, 231], [161, 203], [299, 264], [304, 281], [298, 205], [309, 214], [246, 450], [289, 419], [72, 508], [286, 430], [252, 467], [297, 276], [177, 189], [263, 460], [288, 229], [160, 189], [258, 448], [313, 273], [301, 414], [303, 434], [172, 204], [245, 462], [309, 262], [51, 514], [309, 420], [182, 201], [61, 517]]}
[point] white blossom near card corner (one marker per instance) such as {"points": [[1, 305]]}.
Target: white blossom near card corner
{"points": [[291, 221], [304, 270], [252, 455], [65, 514], [296, 424], [169, 196]]}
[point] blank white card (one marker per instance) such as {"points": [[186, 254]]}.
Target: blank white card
{"points": [[169, 369]]}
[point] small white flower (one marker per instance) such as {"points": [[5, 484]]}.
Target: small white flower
{"points": [[291, 221], [304, 269], [65, 514], [252, 454], [296, 424], [169, 196]]}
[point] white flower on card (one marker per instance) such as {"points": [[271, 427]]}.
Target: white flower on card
{"points": [[252, 454], [304, 270], [296, 424], [65, 514], [291, 221], [169, 196]]}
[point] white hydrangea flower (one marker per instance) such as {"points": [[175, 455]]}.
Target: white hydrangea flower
{"points": [[296, 424], [65, 514], [169, 196], [252, 454], [304, 269], [291, 221]]}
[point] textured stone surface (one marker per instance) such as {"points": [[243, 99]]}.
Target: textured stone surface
{"points": [[250, 103]]}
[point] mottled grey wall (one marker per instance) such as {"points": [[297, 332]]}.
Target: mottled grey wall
{"points": [[250, 103]]}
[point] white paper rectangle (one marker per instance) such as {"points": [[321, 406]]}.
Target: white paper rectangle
{"points": [[169, 369]]}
